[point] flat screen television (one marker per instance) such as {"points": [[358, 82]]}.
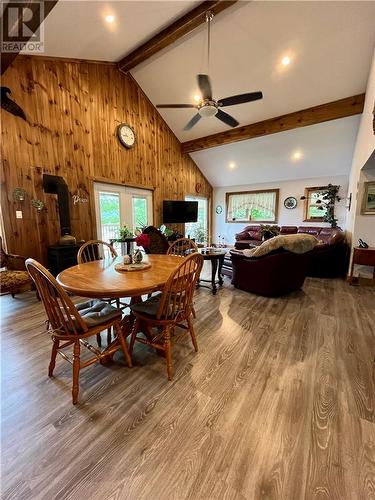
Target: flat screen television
{"points": [[176, 212]]}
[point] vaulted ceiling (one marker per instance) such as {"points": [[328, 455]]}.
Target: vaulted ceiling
{"points": [[330, 46]]}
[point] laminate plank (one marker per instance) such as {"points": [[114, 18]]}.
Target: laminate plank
{"points": [[277, 404]]}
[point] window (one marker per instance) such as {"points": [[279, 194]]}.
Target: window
{"points": [[139, 212], [314, 209], [198, 230], [252, 206], [118, 206]]}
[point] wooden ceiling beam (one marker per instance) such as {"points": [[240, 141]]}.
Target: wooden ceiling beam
{"points": [[173, 32], [8, 57], [317, 114]]}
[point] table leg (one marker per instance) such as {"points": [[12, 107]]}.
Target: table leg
{"points": [[220, 276], [213, 275]]}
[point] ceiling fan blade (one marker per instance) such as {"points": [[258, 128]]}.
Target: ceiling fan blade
{"points": [[240, 99], [227, 119], [176, 106], [204, 85], [192, 122]]}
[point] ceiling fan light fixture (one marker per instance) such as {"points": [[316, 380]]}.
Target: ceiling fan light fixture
{"points": [[207, 110]]}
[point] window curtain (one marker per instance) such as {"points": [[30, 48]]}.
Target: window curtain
{"points": [[241, 206]]}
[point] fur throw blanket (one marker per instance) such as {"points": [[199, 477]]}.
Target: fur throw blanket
{"points": [[296, 243]]}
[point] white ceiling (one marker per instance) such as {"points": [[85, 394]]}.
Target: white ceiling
{"points": [[79, 30], [327, 149], [330, 45]]}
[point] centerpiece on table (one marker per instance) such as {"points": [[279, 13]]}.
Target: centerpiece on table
{"points": [[267, 232], [134, 262]]}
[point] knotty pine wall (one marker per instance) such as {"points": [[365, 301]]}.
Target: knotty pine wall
{"points": [[73, 108]]}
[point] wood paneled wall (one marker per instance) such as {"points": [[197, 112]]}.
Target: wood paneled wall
{"points": [[73, 108]]}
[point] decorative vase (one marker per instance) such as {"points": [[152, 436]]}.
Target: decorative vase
{"points": [[137, 257]]}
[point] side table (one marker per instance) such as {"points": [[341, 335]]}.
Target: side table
{"points": [[363, 257]]}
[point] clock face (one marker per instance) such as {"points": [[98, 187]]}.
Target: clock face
{"points": [[126, 135], [219, 209], [290, 202]]}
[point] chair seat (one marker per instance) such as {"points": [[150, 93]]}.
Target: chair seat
{"points": [[10, 279], [148, 307], [97, 312]]}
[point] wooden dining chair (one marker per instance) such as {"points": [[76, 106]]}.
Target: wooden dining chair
{"points": [[170, 309], [182, 247], [95, 250], [71, 325]]}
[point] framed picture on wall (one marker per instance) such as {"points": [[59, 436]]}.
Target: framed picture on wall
{"points": [[368, 202]]}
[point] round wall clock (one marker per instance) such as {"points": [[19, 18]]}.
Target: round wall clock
{"points": [[198, 187], [126, 135], [290, 202], [219, 209]]}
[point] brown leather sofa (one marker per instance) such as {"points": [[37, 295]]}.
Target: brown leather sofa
{"points": [[330, 258], [272, 275]]}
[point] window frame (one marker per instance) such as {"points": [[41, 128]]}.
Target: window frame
{"points": [[195, 197], [255, 191], [308, 191]]}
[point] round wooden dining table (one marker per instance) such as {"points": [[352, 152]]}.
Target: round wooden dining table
{"points": [[99, 279]]}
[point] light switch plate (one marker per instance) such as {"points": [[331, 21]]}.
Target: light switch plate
{"points": [[18, 214]]}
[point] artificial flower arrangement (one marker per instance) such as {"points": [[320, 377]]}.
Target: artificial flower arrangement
{"points": [[143, 240], [267, 231], [125, 232]]}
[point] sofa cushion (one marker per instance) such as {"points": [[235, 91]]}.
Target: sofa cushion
{"points": [[288, 229], [296, 243], [254, 235], [11, 279], [309, 230]]}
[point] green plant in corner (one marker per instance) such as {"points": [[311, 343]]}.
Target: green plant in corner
{"points": [[267, 231], [329, 198]]}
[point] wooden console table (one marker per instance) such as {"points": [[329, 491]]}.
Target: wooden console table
{"points": [[363, 257]]}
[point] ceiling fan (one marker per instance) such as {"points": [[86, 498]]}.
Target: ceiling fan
{"points": [[208, 106]]}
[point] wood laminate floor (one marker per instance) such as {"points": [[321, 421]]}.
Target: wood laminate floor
{"points": [[279, 403]]}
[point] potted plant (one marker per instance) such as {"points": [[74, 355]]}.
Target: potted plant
{"points": [[125, 232], [267, 231]]}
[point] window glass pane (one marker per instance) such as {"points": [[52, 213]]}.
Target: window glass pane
{"points": [[198, 230], [109, 209], [139, 212], [314, 210], [252, 206]]}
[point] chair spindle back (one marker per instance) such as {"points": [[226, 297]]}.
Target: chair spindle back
{"points": [[177, 297], [182, 247], [95, 250], [61, 312]]}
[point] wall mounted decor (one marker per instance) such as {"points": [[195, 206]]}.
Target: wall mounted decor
{"points": [[320, 204], [126, 135], [19, 194], [368, 202], [219, 209], [80, 196], [38, 204], [198, 187], [290, 202], [10, 105]]}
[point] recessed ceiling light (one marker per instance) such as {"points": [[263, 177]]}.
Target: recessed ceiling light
{"points": [[197, 98], [297, 155], [232, 165], [110, 18], [285, 61]]}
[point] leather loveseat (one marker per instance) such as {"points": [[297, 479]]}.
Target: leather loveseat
{"points": [[330, 258], [272, 275]]}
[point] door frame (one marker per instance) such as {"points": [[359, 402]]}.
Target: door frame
{"points": [[103, 180]]}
